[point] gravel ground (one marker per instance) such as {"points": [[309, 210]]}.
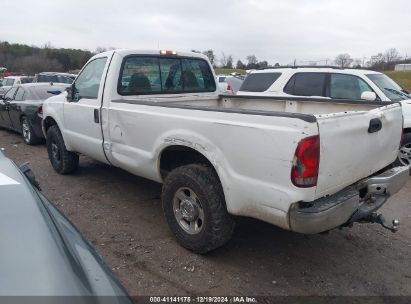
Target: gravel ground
{"points": [[120, 214]]}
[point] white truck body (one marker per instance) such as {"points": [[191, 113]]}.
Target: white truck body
{"points": [[249, 141]]}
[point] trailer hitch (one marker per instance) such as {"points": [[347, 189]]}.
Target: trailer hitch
{"points": [[379, 219], [366, 213]]}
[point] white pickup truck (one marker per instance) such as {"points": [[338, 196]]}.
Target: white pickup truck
{"points": [[302, 164]]}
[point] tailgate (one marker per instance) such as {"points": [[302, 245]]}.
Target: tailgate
{"points": [[352, 150]]}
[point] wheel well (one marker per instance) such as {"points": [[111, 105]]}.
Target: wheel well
{"points": [[177, 156], [48, 122]]}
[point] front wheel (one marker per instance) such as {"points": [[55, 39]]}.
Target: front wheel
{"points": [[63, 161], [194, 206]]}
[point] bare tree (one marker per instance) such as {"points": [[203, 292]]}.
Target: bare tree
{"points": [[240, 65], [391, 56], [229, 64], [343, 60], [377, 62], [252, 61], [357, 63], [210, 55], [223, 60]]}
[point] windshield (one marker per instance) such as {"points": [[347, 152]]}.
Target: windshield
{"points": [[390, 88]]}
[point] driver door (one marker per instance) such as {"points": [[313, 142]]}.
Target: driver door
{"points": [[82, 111]]}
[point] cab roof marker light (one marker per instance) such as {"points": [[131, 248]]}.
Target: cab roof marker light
{"points": [[164, 52]]}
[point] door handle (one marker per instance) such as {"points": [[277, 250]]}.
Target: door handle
{"points": [[96, 116], [375, 125]]}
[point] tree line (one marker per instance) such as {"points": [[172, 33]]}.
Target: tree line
{"points": [[380, 62], [25, 59]]}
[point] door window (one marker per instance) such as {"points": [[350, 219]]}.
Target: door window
{"points": [[306, 84], [343, 86], [87, 84]]}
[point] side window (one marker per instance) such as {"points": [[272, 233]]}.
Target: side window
{"points": [[197, 76], [171, 75], [140, 75], [88, 82], [306, 84], [10, 94], [259, 82], [344, 86], [19, 95]]}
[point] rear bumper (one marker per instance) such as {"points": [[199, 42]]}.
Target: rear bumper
{"points": [[348, 205]]}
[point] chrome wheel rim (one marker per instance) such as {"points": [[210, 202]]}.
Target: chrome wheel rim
{"points": [[188, 211], [26, 130], [404, 155]]}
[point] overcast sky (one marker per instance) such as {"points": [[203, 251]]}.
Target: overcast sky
{"points": [[276, 31]]}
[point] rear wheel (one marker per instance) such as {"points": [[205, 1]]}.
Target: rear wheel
{"points": [[404, 154], [29, 136], [194, 206], [63, 161]]}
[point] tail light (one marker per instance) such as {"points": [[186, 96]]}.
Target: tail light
{"points": [[229, 89], [304, 172]]}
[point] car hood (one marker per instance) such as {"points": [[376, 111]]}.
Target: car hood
{"points": [[42, 253]]}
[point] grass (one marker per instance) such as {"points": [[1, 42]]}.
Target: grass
{"points": [[402, 78]]}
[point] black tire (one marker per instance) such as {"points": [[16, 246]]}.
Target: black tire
{"points": [[404, 156], [216, 226], [63, 161], [27, 132]]}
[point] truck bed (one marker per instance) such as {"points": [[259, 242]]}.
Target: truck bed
{"points": [[296, 107]]}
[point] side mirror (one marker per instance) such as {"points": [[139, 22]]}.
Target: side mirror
{"points": [[370, 96], [70, 91]]}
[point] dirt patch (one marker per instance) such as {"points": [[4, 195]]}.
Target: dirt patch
{"points": [[121, 215]]}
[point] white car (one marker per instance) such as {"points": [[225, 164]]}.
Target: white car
{"points": [[223, 86], [335, 85], [157, 114], [11, 81], [229, 84]]}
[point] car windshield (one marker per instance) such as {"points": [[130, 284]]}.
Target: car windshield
{"points": [[390, 88]]}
